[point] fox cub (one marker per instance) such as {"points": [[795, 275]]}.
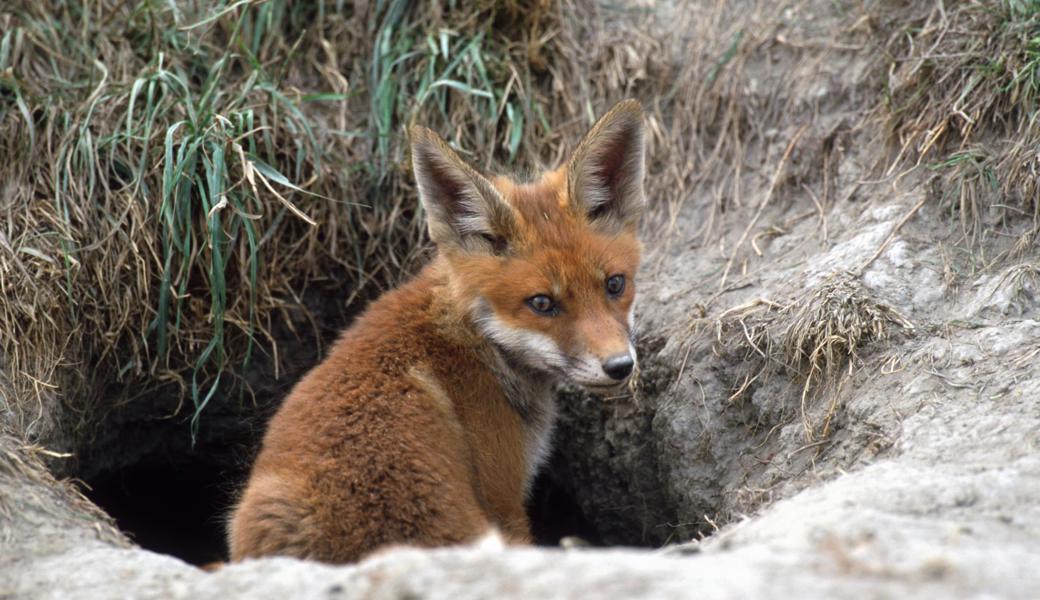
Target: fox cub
{"points": [[432, 413]]}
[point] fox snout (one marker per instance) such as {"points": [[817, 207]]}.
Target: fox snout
{"points": [[604, 374], [604, 361], [619, 366], [602, 354]]}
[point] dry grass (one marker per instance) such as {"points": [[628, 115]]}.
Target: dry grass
{"points": [[187, 169], [962, 93], [156, 221], [815, 336], [1022, 283]]}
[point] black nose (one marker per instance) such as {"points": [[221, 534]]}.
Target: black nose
{"points": [[618, 367]]}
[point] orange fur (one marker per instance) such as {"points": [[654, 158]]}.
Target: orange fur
{"points": [[419, 429]]}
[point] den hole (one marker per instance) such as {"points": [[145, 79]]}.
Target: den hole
{"points": [[168, 505], [171, 496], [176, 502]]}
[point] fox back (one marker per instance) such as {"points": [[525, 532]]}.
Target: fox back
{"points": [[431, 415]]}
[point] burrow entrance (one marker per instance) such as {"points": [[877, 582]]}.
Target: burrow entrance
{"points": [[173, 497]]}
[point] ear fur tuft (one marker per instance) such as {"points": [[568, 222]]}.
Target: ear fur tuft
{"points": [[605, 174], [464, 210]]}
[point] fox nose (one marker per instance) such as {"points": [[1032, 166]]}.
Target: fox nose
{"points": [[618, 366]]}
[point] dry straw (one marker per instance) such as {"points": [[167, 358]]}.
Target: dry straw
{"points": [[816, 337], [176, 175], [961, 97]]}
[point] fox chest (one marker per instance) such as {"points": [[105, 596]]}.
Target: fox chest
{"points": [[538, 437], [507, 419], [512, 437], [536, 409]]}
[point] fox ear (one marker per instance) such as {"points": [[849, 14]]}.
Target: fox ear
{"points": [[464, 211], [605, 173]]}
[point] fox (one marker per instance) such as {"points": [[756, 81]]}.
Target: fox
{"points": [[429, 418]]}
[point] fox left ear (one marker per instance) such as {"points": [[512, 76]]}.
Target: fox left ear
{"points": [[605, 173], [464, 210]]}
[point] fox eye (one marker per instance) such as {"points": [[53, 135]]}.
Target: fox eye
{"points": [[615, 285], [542, 305]]}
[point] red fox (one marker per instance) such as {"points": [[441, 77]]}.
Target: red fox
{"points": [[428, 420]]}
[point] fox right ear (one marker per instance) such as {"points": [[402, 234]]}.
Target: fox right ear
{"points": [[464, 210], [605, 174]]}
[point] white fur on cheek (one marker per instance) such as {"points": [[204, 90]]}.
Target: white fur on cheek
{"points": [[537, 349], [588, 371]]}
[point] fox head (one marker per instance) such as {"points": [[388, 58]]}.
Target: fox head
{"points": [[546, 270]]}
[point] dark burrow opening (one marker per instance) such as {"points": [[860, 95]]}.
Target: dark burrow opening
{"points": [[177, 505], [164, 492], [172, 496], [170, 505]]}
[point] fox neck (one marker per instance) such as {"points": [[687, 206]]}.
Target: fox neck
{"points": [[527, 390], [529, 393]]}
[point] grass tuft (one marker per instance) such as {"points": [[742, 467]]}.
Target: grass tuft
{"points": [[190, 169], [1022, 283], [182, 178], [816, 336], [962, 97]]}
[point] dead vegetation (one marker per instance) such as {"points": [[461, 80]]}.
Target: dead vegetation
{"points": [[961, 98], [815, 337], [177, 174], [1020, 285], [156, 221]]}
